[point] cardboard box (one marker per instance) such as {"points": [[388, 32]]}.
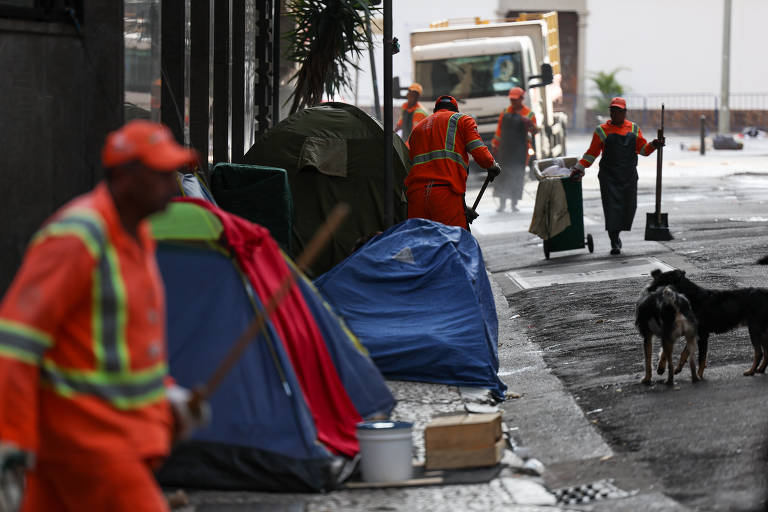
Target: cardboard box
{"points": [[464, 441]]}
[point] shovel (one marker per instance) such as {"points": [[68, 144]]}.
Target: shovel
{"points": [[656, 223]]}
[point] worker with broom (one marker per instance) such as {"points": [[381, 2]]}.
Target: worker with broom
{"points": [[87, 409], [620, 141], [437, 180]]}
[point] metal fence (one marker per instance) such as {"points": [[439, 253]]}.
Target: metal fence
{"points": [[683, 112]]}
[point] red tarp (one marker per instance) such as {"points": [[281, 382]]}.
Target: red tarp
{"points": [[260, 258]]}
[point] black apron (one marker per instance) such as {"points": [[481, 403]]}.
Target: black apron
{"points": [[512, 152], [618, 181], [407, 126]]}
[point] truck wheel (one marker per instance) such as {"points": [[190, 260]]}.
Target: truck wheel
{"points": [[590, 244]]}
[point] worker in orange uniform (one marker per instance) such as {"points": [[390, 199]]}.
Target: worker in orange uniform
{"points": [[86, 405], [437, 180], [412, 112], [510, 145], [620, 141]]}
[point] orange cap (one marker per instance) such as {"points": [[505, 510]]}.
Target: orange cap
{"points": [[619, 102], [445, 100], [150, 143], [416, 87], [516, 93]]}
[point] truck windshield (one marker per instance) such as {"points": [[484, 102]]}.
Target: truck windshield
{"points": [[474, 76]]}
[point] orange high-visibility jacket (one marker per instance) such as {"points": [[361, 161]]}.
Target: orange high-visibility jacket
{"points": [[438, 149], [524, 111], [410, 117], [82, 340], [642, 146]]}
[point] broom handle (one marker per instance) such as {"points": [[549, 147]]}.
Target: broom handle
{"points": [[659, 159], [309, 254]]}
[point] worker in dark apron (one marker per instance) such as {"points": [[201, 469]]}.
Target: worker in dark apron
{"points": [[620, 141], [510, 146]]}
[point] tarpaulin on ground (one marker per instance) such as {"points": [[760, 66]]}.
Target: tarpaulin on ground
{"points": [[418, 297], [292, 401]]}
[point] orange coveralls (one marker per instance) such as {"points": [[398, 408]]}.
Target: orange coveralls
{"points": [[83, 363], [525, 112], [437, 180], [410, 117]]}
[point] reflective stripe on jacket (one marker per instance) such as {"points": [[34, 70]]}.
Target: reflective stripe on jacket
{"points": [[410, 117], [439, 148], [642, 147], [82, 338]]}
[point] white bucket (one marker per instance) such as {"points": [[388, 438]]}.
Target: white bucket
{"points": [[385, 450]]}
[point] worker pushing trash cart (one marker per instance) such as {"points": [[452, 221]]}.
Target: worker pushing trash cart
{"points": [[558, 214]]}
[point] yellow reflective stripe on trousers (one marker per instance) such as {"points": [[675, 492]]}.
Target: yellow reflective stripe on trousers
{"points": [[22, 342], [124, 390]]}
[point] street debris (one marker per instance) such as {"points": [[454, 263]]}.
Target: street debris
{"points": [[600, 490]]}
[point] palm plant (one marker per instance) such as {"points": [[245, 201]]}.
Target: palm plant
{"points": [[608, 86], [328, 37]]}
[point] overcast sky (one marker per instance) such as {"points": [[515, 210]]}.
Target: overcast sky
{"points": [[670, 47]]}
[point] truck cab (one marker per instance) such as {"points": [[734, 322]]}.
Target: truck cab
{"points": [[478, 73], [478, 65]]}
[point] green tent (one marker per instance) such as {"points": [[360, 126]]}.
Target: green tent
{"points": [[334, 153]]}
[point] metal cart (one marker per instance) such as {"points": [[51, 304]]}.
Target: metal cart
{"points": [[573, 236]]}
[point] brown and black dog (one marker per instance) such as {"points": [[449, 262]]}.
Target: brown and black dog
{"points": [[720, 311], [668, 315]]}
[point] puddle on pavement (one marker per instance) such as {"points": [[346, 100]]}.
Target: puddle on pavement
{"points": [[584, 272]]}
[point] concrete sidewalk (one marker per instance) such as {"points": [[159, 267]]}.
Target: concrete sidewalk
{"points": [[524, 372]]}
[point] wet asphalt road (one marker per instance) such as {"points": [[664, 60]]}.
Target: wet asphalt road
{"points": [[703, 445]]}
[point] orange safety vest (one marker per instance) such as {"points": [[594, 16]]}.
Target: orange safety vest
{"points": [[410, 117], [524, 111], [82, 340], [438, 149]]}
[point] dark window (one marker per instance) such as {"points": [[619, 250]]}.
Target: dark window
{"points": [[67, 11]]}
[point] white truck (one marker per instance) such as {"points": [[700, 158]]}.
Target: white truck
{"points": [[478, 64]]}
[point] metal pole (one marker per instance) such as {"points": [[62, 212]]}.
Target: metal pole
{"points": [[703, 120], [376, 105], [389, 182], [724, 125], [276, 62]]}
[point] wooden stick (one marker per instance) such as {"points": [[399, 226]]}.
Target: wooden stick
{"points": [[304, 260]]}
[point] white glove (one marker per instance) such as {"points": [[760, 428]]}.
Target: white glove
{"points": [[187, 415], [13, 464], [577, 171]]}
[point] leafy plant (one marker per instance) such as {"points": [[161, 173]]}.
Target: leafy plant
{"points": [[608, 86], [328, 37]]}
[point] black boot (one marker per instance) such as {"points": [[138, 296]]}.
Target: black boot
{"points": [[615, 242]]}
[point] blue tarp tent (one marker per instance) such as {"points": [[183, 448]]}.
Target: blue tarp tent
{"points": [[418, 297], [262, 435]]}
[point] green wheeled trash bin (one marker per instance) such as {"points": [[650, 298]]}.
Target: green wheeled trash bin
{"points": [[573, 236]]}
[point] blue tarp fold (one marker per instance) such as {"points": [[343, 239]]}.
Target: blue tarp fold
{"points": [[418, 297]]}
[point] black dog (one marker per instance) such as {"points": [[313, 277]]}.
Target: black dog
{"points": [[668, 315], [719, 311]]}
